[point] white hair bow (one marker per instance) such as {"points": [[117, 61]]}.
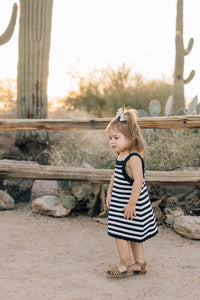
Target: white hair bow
{"points": [[120, 113]]}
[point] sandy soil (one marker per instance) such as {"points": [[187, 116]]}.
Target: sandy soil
{"points": [[49, 258]]}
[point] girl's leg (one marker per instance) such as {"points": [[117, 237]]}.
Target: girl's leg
{"points": [[138, 254], [123, 248]]}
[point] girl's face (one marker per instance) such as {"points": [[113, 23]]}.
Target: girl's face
{"points": [[118, 142]]}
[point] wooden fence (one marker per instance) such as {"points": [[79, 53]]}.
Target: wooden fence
{"points": [[10, 170]]}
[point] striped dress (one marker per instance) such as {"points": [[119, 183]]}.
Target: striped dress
{"points": [[143, 226]]}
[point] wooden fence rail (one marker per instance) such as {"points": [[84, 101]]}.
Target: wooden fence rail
{"points": [[19, 170], [9, 169], [176, 122]]}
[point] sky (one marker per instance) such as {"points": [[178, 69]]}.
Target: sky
{"points": [[89, 34]]}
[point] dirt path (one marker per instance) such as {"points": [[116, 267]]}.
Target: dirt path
{"points": [[49, 258]]}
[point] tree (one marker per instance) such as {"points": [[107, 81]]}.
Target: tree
{"points": [[33, 70]]}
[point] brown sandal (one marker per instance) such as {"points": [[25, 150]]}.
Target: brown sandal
{"points": [[115, 272], [142, 268]]}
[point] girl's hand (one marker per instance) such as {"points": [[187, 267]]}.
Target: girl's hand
{"points": [[129, 211], [108, 199]]}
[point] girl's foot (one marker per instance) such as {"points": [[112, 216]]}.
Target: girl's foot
{"points": [[122, 269], [138, 268]]}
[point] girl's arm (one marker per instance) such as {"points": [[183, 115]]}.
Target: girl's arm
{"points": [[135, 172], [109, 192]]}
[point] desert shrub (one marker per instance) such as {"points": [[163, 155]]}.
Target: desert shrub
{"points": [[165, 149], [76, 147], [172, 149], [8, 97], [80, 148], [103, 91]]}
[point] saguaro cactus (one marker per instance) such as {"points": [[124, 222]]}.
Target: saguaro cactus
{"points": [[178, 87], [33, 70], [6, 36]]}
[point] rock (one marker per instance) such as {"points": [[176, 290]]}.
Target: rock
{"points": [[169, 219], [171, 214], [43, 188], [175, 212], [192, 202], [50, 206], [18, 189], [12, 152], [6, 201], [188, 226], [158, 214]]}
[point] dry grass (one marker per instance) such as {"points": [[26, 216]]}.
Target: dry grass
{"points": [[76, 147], [165, 149], [172, 149], [81, 147]]}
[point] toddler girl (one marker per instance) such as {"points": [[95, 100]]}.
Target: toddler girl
{"points": [[131, 220]]}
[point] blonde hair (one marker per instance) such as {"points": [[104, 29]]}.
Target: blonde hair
{"points": [[129, 128]]}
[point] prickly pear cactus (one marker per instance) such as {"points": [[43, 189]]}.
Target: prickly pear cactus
{"points": [[178, 87], [198, 109], [142, 114], [168, 106], [192, 106], [6, 36], [68, 201], [64, 185], [154, 108]]}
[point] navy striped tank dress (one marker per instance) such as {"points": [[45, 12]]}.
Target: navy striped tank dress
{"points": [[143, 226]]}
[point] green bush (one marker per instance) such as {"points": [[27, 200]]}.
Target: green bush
{"points": [[102, 92]]}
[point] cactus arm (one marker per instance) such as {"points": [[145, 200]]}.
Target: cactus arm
{"points": [[189, 47], [190, 77], [6, 36]]}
